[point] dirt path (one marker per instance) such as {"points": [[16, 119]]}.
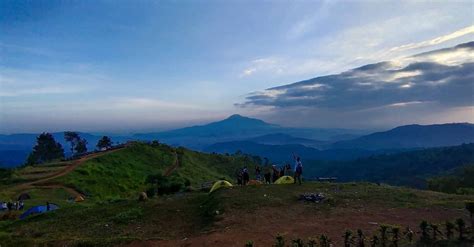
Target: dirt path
{"points": [[172, 168], [43, 182]]}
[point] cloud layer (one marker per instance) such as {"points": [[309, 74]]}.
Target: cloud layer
{"points": [[442, 78]]}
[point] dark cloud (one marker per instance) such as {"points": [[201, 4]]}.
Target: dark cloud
{"points": [[444, 76]]}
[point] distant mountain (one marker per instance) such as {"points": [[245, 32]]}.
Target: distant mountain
{"points": [[411, 168], [283, 153], [284, 139], [414, 136], [237, 128]]}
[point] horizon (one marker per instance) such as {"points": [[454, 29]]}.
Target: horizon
{"points": [[156, 66]]}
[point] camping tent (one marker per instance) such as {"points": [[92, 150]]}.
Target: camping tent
{"points": [[285, 180], [24, 196], [38, 210], [254, 182], [78, 199], [220, 184]]}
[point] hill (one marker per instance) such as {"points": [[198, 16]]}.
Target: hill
{"points": [[283, 153], [238, 128], [284, 139], [124, 173], [414, 136], [411, 168]]}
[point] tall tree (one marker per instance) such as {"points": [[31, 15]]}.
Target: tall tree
{"points": [[104, 142], [73, 138], [81, 146], [46, 149]]}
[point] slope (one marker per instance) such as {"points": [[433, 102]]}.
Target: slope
{"points": [[408, 168], [124, 173], [414, 136]]}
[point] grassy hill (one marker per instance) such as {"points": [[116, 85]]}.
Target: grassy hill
{"points": [[124, 173]]}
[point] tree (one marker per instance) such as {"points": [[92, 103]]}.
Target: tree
{"points": [[46, 149], [73, 138], [81, 146], [104, 143]]}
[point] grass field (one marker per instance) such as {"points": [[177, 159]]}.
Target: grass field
{"points": [[197, 214]]}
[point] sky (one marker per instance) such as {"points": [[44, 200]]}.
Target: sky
{"points": [[136, 66]]}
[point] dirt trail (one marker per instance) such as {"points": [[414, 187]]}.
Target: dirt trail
{"points": [[43, 182], [172, 168]]}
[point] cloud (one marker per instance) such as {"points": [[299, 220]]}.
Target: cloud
{"points": [[435, 41], [417, 81]]}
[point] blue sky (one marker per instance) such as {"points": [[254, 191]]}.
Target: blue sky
{"points": [[127, 66]]}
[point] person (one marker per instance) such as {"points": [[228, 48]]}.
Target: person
{"points": [[268, 176], [47, 206], [22, 205], [275, 174], [9, 206], [257, 173], [245, 176], [282, 171], [288, 169], [298, 169], [239, 176]]}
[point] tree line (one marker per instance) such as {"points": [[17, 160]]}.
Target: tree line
{"points": [[48, 149]]}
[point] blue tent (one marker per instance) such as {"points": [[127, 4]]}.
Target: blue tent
{"points": [[38, 210]]}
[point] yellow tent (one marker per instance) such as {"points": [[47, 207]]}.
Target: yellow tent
{"points": [[220, 184], [285, 180], [79, 199]]}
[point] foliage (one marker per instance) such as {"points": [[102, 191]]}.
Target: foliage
{"points": [[459, 182], [73, 138], [45, 150], [406, 168], [81, 146], [128, 216], [104, 142]]}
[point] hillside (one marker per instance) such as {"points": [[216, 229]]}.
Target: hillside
{"points": [[284, 153], [408, 168], [284, 139], [414, 136], [124, 173], [231, 217]]}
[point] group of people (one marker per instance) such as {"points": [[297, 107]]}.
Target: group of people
{"points": [[18, 205], [272, 173]]}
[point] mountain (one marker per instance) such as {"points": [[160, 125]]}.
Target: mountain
{"points": [[411, 168], [238, 128], [414, 136], [284, 139], [283, 153]]}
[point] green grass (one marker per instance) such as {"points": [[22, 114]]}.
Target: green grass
{"points": [[189, 214], [122, 174]]}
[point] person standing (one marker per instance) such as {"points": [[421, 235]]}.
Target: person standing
{"points": [[258, 173], [298, 169], [245, 175]]}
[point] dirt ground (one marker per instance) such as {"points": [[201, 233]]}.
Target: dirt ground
{"points": [[301, 222]]}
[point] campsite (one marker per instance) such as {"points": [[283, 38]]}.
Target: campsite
{"points": [[241, 123]]}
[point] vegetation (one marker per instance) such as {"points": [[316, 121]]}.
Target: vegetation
{"points": [[104, 143], [461, 181], [126, 172], [408, 168], [73, 138], [45, 150]]}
